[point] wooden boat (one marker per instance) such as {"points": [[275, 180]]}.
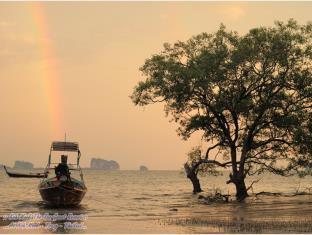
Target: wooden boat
{"points": [[22, 175], [63, 191]]}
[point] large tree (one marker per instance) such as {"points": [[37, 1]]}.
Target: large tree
{"points": [[250, 96]]}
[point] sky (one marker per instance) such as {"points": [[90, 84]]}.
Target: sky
{"points": [[70, 67]]}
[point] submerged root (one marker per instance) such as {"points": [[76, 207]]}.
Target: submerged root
{"points": [[217, 197], [282, 194], [268, 194]]}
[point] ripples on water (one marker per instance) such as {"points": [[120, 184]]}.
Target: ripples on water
{"points": [[142, 202]]}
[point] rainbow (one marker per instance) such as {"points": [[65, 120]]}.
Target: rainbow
{"points": [[48, 69]]}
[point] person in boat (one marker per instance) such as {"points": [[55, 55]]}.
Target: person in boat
{"points": [[62, 168]]}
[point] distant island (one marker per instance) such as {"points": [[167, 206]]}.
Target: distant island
{"points": [[98, 163], [143, 168], [23, 165]]}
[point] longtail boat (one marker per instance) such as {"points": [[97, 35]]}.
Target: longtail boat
{"points": [[22, 175], [63, 190], [60, 189]]}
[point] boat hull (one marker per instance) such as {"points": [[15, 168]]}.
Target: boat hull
{"points": [[61, 194], [21, 175]]}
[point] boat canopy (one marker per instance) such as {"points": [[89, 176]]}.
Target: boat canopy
{"points": [[65, 146]]}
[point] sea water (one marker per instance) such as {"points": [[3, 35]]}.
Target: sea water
{"points": [[149, 202]]}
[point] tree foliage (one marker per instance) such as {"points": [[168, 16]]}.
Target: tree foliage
{"points": [[250, 95], [205, 169]]}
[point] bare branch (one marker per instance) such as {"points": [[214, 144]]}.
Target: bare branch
{"points": [[211, 148]]}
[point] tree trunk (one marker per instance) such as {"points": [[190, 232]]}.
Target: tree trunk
{"points": [[237, 177], [195, 182], [190, 173], [241, 190]]}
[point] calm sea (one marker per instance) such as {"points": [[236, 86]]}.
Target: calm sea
{"points": [[147, 202]]}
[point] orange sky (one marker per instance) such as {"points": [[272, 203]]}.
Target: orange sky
{"points": [[70, 67]]}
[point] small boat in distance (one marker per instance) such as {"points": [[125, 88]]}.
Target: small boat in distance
{"points": [[22, 175], [62, 189]]}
